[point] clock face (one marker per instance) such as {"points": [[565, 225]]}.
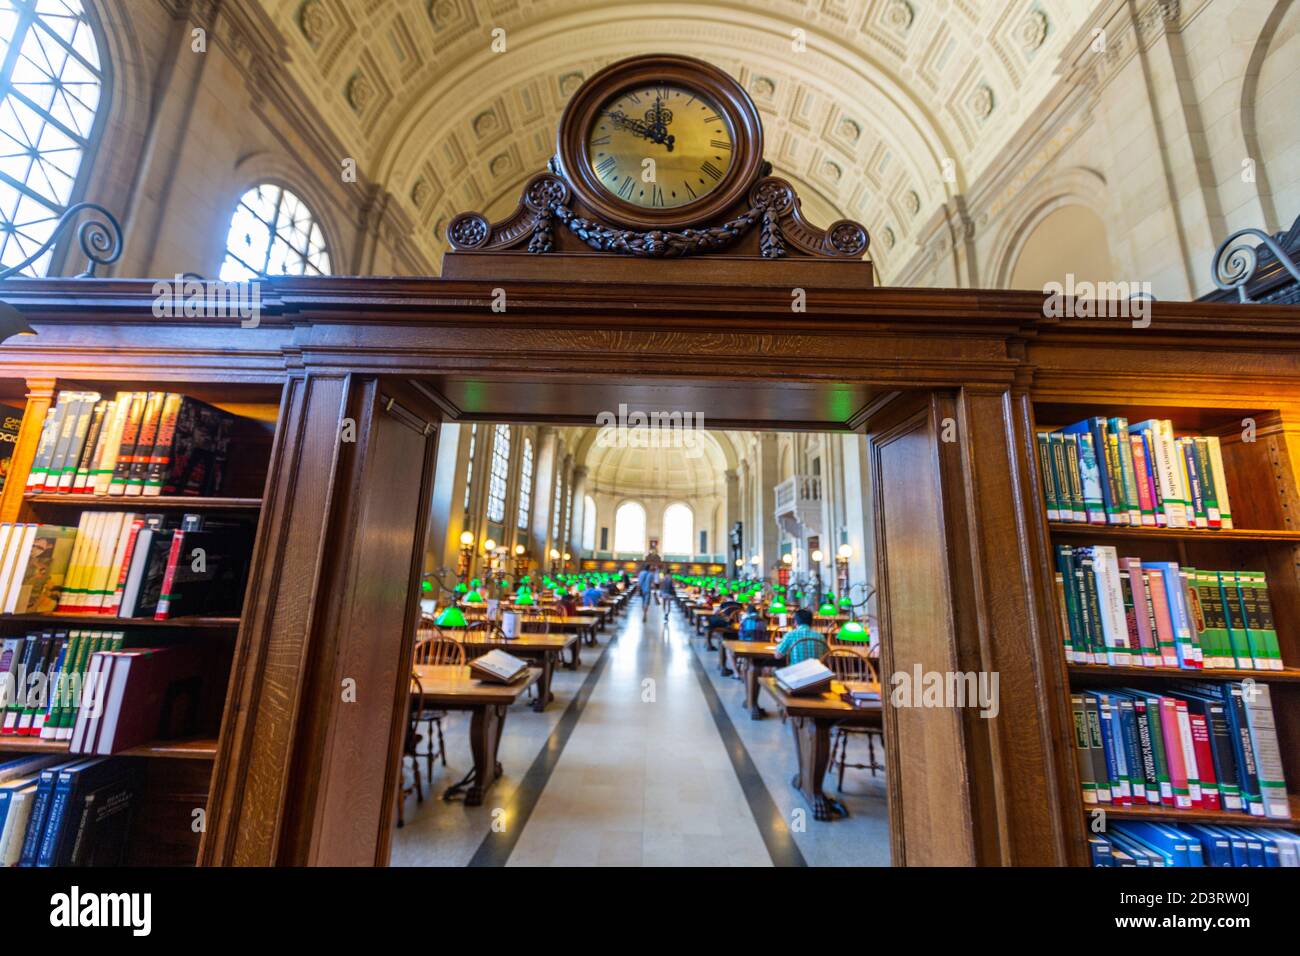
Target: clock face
{"points": [[681, 130]]}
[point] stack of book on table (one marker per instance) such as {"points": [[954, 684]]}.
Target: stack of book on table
{"points": [[861, 693], [1105, 471]]}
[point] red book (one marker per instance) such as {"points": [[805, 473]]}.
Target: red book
{"points": [[169, 577], [1174, 752], [113, 602], [1204, 761]]}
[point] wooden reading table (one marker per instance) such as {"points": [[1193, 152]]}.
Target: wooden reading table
{"points": [[450, 687], [811, 719], [751, 657], [540, 649]]}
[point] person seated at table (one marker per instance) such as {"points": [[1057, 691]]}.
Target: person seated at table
{"points": [[719, 616], [752, 626], [593, 595], [566, 605], [814, 643]]}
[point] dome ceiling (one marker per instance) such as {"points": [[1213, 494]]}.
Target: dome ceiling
{"points": [[697, 467], [878, 110]]}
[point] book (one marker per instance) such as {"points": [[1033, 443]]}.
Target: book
{"points": [[498, 667], [11, 421], [809, 676]]}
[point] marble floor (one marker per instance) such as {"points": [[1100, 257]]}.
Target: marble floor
{"points": [[647, 757]]}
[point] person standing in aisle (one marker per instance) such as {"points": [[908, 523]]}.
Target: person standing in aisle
{"points": [[645, 584]]}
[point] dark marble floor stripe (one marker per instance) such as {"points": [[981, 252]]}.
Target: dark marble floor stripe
{"points": [[496, 847], [771, 824]]}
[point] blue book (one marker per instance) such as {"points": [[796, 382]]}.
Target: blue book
{"points": [[1254, 846], [1162, 839], [40, 814], [1100, 848], [1216, 846], [63, 808], [1097, 430], [1142, 855], [1272, 856], [1180, 615], [1115, 770], [1090, 478]]}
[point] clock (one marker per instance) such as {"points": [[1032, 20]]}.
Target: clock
{"points": [[660, 142]]}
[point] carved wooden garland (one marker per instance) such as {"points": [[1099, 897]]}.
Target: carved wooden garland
{"points": [[772, 202]]}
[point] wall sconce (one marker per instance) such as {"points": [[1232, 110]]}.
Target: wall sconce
{"points": [[521, 561], [466, 554], [842, 568], [555, 556]]}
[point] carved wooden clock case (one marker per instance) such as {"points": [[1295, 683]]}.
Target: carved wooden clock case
{"points": [[660, 157]]}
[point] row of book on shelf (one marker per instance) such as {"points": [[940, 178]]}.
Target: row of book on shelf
{"points": [[137, 443], [1211, 746], [125, 564], [56, 811], [1144, 843], [1104, 471], [1125, 611]]}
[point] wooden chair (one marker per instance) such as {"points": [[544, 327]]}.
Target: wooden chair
{"points": [[409, 749], [436, 649], [849, 664], [731, 617]]}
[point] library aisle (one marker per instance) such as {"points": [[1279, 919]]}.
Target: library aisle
{"points": [[655, 762]]}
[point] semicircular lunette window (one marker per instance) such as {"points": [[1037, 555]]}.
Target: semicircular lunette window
{"points": [[50, 89], [273, 233]]}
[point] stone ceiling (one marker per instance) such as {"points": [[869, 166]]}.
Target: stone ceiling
{"points": [[877, 110]]}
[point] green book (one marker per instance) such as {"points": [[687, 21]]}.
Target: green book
{"points": [[1257, 609], [1214, 638], [1050, 495]]}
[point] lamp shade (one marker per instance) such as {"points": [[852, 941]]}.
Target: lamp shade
{"points": [[451, 617], [777, 607], [473, 597], [846, 602], [827, 609], [461, 588], [853, 632], [525, 598]]}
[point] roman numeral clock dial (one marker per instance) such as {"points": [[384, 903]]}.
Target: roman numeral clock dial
{"points": [[681, 130]]}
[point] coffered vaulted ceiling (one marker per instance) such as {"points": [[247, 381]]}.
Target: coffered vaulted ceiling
{"points": [[877, 109]]}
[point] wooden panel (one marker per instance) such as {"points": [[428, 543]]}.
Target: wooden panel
{"points": [[40, 395], [373, 592], [928, 797]]}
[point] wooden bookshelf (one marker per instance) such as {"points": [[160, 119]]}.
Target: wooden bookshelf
{"points": [[139, 503], [1262, 483], [177, 776], [1211, 817], [204, 748]]}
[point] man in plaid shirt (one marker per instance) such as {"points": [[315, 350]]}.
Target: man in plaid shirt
{"points": [[790, 646]]}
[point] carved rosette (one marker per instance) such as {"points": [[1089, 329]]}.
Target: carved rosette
{"points": [[546, 199]]}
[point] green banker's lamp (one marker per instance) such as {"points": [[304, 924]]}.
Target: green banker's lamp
{"points": [[524, 598], [853, 633], [451, 617], [827, 609], [777, 607], [473, 597]]}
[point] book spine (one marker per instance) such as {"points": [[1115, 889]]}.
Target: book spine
{"points": [[126, 448], [1191, 468], [81, 472], [1081, 749], [107, 460], [144, 448], [1268, 755], [1225, 764], [1090, 476], [45, 448], [1165, 789], [1201, 449], [163, 610], [161, 455], [1045, 476], [1097, 749], [1220, 480], [1204, 760], [1174, 753]]}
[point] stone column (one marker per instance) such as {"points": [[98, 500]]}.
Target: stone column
{"points": [[543, 496], [579, 510]]}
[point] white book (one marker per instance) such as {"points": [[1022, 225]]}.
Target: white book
{"points": [[807, 673], [105, 545], [1162, 466], [1268, 755], [72, 582], [15, 580], [91, 703], [1110, 600], [135, 575], [12, 547], [1215, 453], [16, 820], [118, 556], [499, 665]]}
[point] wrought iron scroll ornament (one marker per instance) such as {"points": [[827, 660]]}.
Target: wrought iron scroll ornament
{"points": [[100, 240], [1235, 261], [546, 200]]}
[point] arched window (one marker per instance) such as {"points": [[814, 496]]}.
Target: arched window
{"points": [[50, 86], [555, 511], [526, 485], [589, 524], [566, 529], [469, 464], [679, 528], [629, 528], [273, 233], [496, 509]]}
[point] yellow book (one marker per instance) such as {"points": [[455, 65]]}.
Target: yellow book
{"points": [[105, 545], [74, 583]]}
